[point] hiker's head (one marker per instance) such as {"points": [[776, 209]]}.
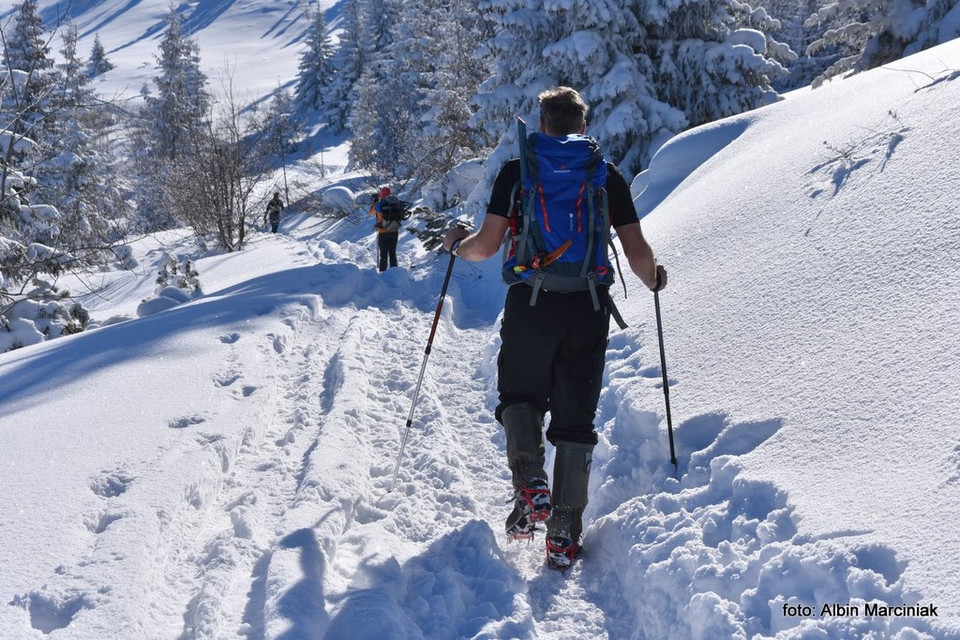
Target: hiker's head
{"points": [[384, 192], [276, 194], [562, 112]]}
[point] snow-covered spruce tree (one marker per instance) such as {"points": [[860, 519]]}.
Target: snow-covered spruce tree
{"points": [[379, 20], [26, 48], [26, 107], [648, 69], [798, 35], [702, 63], [32, 307], [281, 128], [179, 273], [172, 119], [870, 33], [181, 104], [757, 18], [410, 117], [349, 62], [77, 174], [316, 66], [450, 72], [177, 282], [381, 116], [98, 64], [47, 167], [381, 121]]}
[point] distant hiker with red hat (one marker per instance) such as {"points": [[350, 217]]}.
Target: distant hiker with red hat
{"points": [[390, 211]]}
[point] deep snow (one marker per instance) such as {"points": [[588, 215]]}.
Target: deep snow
{"points": [[219, 470]]}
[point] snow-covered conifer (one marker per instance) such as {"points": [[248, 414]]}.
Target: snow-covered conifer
{"points": [[175, 113], [27, 49], [76, 173], [869, 33], [349, 62], [98, 63], [379, 20], [26, 45], [182, 103], [648, 71], [382, 111], [410, 117], [445, 40], [316, 66], [281, 127]]}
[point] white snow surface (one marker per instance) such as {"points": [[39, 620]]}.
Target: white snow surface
{"points": [[258, 40], [220, 469]]}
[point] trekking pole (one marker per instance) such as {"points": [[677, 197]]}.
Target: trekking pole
{"points": [[423, 367], [666, 388]]}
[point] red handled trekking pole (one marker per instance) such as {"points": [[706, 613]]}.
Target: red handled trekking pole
{"points": [[423, 367]]}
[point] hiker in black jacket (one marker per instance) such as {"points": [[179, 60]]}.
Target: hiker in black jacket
{"points": [[553, 338], [274, 207]]}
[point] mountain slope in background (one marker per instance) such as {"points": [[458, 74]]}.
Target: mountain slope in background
{"points": [[258, 42]]}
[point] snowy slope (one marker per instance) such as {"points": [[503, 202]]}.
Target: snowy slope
{"points": [[258, 41], [220, 470]]}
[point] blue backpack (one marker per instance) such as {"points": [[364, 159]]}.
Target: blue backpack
{"points": [[561, 235]]}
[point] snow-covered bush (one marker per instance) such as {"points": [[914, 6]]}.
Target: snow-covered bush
{"points": [[178, 273], [177, 282], [39, 315], [340, 202], [32, 308], [124, 256]]}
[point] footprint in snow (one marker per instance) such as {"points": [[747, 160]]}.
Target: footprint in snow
{"points": [[185, 422], [98, 523], [111, 484], [48, 611], [226, 379]]}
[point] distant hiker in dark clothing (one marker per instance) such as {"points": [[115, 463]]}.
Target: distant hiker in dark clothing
{"points": [[389, 212], [557, 311], [274, 207]]}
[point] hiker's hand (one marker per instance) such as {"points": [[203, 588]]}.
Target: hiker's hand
{"points": [[661, 278], [452, 235]]}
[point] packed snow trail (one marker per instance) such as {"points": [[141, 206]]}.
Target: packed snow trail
{"points": [[709, 556]]}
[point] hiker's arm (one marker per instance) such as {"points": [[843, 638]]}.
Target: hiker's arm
{"points": [[482, 244], [640, 255]]}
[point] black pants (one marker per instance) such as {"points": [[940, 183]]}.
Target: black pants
{"points": [[387, 243], [552, 356], [274, 223]]}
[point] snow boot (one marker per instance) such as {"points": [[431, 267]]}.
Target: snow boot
{"points": [[561, 552], [523, 425], [571, 478], [531, 505]]}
